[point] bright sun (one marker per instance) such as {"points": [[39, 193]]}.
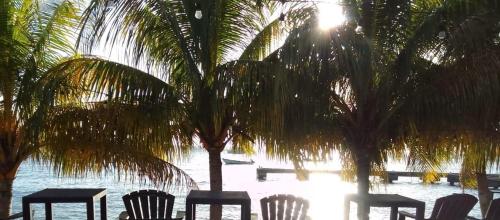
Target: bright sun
{"points": [[331, 14]]}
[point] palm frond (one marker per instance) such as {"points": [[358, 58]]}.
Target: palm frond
{"points": [[116, 137], [272, 34], [113, 80], [381, 88]]}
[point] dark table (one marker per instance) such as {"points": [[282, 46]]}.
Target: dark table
{"points": [[49, 196], [218, 198], [386, 200]]}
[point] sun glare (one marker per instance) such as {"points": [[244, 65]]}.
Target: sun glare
{"points": [[331, 14]]}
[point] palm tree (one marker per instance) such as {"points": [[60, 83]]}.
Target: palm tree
{"points": [[194, 66], [29, 38], [474, 44], [481, 53], [41, 117], [392, 77]]}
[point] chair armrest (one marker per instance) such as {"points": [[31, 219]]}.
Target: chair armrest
{"points": [[123, 215], [407, 214], [17, 215], [472, 218]]}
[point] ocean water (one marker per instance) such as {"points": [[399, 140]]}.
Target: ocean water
{"points": [[325, 192]]}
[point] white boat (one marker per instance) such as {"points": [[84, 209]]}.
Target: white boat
{"points": [[235, 162]]}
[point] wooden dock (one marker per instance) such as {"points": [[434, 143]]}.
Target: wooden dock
{"points": [[262, 172], [451, 178]]}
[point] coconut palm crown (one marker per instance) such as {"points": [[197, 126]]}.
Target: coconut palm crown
{"points": [[398, 79], [193, 66], [42, 116]]}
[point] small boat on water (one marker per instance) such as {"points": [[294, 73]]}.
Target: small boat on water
{"points": [[236, 162]]}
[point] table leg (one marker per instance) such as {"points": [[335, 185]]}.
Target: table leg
{"points": [[189, 211], [193, 208], [104, 215], [394, 213], [48, 211], [90, 210], [347, 208], [420, 213], [245, 210], [26, 211]]}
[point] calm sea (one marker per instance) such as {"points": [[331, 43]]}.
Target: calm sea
{"points": [[324, 191]]}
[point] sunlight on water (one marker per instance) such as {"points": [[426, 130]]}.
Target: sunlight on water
{"points": [[323, 191]]}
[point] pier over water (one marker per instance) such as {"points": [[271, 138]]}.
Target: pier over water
{"points": [[389, 176]]}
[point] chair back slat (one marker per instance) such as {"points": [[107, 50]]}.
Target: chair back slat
{"points": [[493, 212], [170, 205], [161, 208], [298, 207], [453, 207], [136, 205], [272, 208], [437, 205], [281, 206], [264, 204], [289, 207], [153, 205], [284, 207], [128, 206], [149, 204], [143, 197], [305, 206]]}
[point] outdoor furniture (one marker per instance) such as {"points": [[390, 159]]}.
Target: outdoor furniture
{"points": [[218, 198], [279, 207], [385, 200], [452, 207], [493, 212], [148, 204], [49, 196]]}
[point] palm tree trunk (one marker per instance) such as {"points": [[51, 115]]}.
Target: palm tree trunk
{"points": [[5, 197], [215, 180], [363, 179], [484, 193]]}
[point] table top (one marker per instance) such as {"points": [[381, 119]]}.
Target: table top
{"points": [[386, 200], [226, 197], [65, 195]]}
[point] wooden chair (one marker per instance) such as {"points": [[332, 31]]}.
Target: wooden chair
{"points": [[452, 207], [148, 204], [493, 212], [284, 207]]}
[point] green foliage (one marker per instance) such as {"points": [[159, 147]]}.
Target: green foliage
{"points": [[33, 38], [386, 84], [211, 67], [42, 115]]}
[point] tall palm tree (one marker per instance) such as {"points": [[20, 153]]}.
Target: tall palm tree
{"points": [[392, 77], [194, 66], [473, 50], [41, 117], [480, 147], [30, 36]]}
